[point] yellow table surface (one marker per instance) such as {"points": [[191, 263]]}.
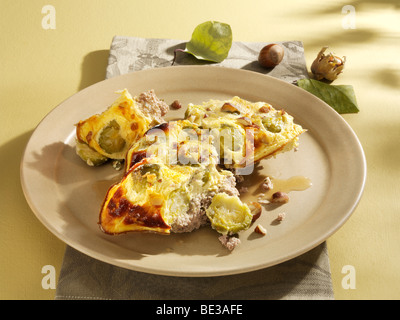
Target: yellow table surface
{"points": [[41, 67]]}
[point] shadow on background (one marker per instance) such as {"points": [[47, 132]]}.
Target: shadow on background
{"points": [[388, 77], [93, 68], [366, 36], [350, 37], [339, 36], [361, 5], [11, 154]]}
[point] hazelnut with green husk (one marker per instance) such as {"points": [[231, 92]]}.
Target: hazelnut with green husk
{"points": [[327, 66]]}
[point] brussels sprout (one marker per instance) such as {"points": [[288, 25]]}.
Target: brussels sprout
{"points": [[206, 177], [110, 139], [178, 205], [228, 215], [272, 125], [90, 156], [150, 168], [188, 112]]}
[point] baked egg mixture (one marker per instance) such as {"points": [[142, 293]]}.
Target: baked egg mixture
{"points": [[182, 175]]}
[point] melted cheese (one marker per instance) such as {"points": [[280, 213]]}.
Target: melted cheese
{"points": [[138, 203], [128, 121], [257, 130], [172, 165]]}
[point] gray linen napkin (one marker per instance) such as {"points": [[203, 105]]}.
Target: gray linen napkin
{"points": [[305, 277]]}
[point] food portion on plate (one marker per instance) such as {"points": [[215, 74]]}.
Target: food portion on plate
{"points": [[175, 142], [173, 184], [248, 132], [155, 196], [181, 175], [110, 134]]}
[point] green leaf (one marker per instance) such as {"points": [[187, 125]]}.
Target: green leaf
{"points": [[210, 41], [340, 97]]}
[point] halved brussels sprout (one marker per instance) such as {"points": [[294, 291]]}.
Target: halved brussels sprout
{"points": [[151, 168], [228, 215], [177, 204], [272, 125], [110, 139], [206, 177], [89, 155]]}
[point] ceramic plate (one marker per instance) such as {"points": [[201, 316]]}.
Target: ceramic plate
{"points": [[65, 194]]}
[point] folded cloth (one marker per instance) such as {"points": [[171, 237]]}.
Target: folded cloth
{"points": [[128, 54], [305, 277]]}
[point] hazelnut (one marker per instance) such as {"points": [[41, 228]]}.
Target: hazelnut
{"points": [[255, 209], [228, 107], [245, 121], [280, 197], [264, 109], [271, 55], [176, 105], [264, 201], [260, 229], [327, 66]]}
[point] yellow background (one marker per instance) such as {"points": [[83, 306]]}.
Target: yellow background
{"points": [[40, 68]]}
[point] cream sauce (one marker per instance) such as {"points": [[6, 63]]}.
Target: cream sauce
{"points": [[256, 192], [296, 183]]}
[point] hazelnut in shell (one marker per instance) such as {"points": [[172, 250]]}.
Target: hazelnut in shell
{"points": [[271, 55]]}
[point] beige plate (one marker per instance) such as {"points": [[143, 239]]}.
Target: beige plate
{"points": [[65, 194]]}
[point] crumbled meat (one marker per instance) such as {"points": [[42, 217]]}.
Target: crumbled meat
{"points": [[230, 242], [243, 190], [230, 187], [196, 216], [239, 178], [281, 216], [267, 184], [152, 106]]}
